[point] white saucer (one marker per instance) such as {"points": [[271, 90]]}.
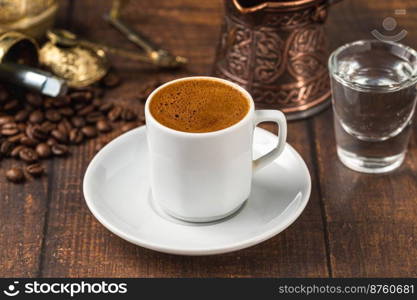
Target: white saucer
{"points": [[116, 189]]}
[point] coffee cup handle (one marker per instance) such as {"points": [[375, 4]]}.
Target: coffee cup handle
{"points": [[279, 118]]}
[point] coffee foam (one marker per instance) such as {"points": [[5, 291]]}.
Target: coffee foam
{"points": [[198, 105]]}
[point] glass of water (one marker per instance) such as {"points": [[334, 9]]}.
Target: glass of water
{"points": [[374, 98]]}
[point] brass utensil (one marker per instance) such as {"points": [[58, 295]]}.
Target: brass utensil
{"points": [[66, 38], [30, 17], [19, 62], [18, 48], [157, 55], [80, 64]]}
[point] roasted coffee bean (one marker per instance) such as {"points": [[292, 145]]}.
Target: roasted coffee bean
{"points": [[82, 96], [110, 80], [36, 132], [78, 106], [43, 150], [10, 125], [21, 126], [127, 115], [114, 114], [51, 141], [27, 141], [93, 117], [48, 126], [6, 119], [21, 115], [89, 131], [11, 104], [60, 136], [105, 107], [128, 126], [76, 136], [29, 130], [15, 175], [39, 133], [16, 150], [62, 101], [66, 111], [48, 103], [9, 131], [65, 126], [6, 147], [34, 99], [16, 138], [36, 116], [104, 126], [99, 145], [28, 155], [86, 110], [78, 122], [53, 115], [35, 170], [59, 149]]}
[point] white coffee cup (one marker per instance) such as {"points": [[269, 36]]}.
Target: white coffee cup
{"points": [[202, 177]]}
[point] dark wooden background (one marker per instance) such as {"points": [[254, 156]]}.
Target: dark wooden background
{"points": [[354, 224]]}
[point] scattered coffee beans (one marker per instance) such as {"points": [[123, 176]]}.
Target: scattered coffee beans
{"points": [[28, 155], [15, 152], [39, 127], [53, 115], [36, 116], [77, 121]]}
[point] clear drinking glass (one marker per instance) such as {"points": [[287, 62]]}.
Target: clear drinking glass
{"points": [[374, 98]]}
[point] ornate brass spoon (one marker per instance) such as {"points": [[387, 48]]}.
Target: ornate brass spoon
{"points": [[68, 39], [82, 62], [79, 64]]}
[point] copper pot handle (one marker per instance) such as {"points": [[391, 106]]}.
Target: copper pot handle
{"points": [[320, 13]]}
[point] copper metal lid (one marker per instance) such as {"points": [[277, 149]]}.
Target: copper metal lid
{"points": [[277, 5]]}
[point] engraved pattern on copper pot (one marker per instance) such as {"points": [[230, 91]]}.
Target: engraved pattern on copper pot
{"points": [[277, 51]]}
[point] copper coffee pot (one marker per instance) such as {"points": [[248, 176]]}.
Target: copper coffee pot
{"points": [[277, 50]]}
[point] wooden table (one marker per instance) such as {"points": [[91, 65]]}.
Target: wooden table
{"points": [[354, 224]]}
